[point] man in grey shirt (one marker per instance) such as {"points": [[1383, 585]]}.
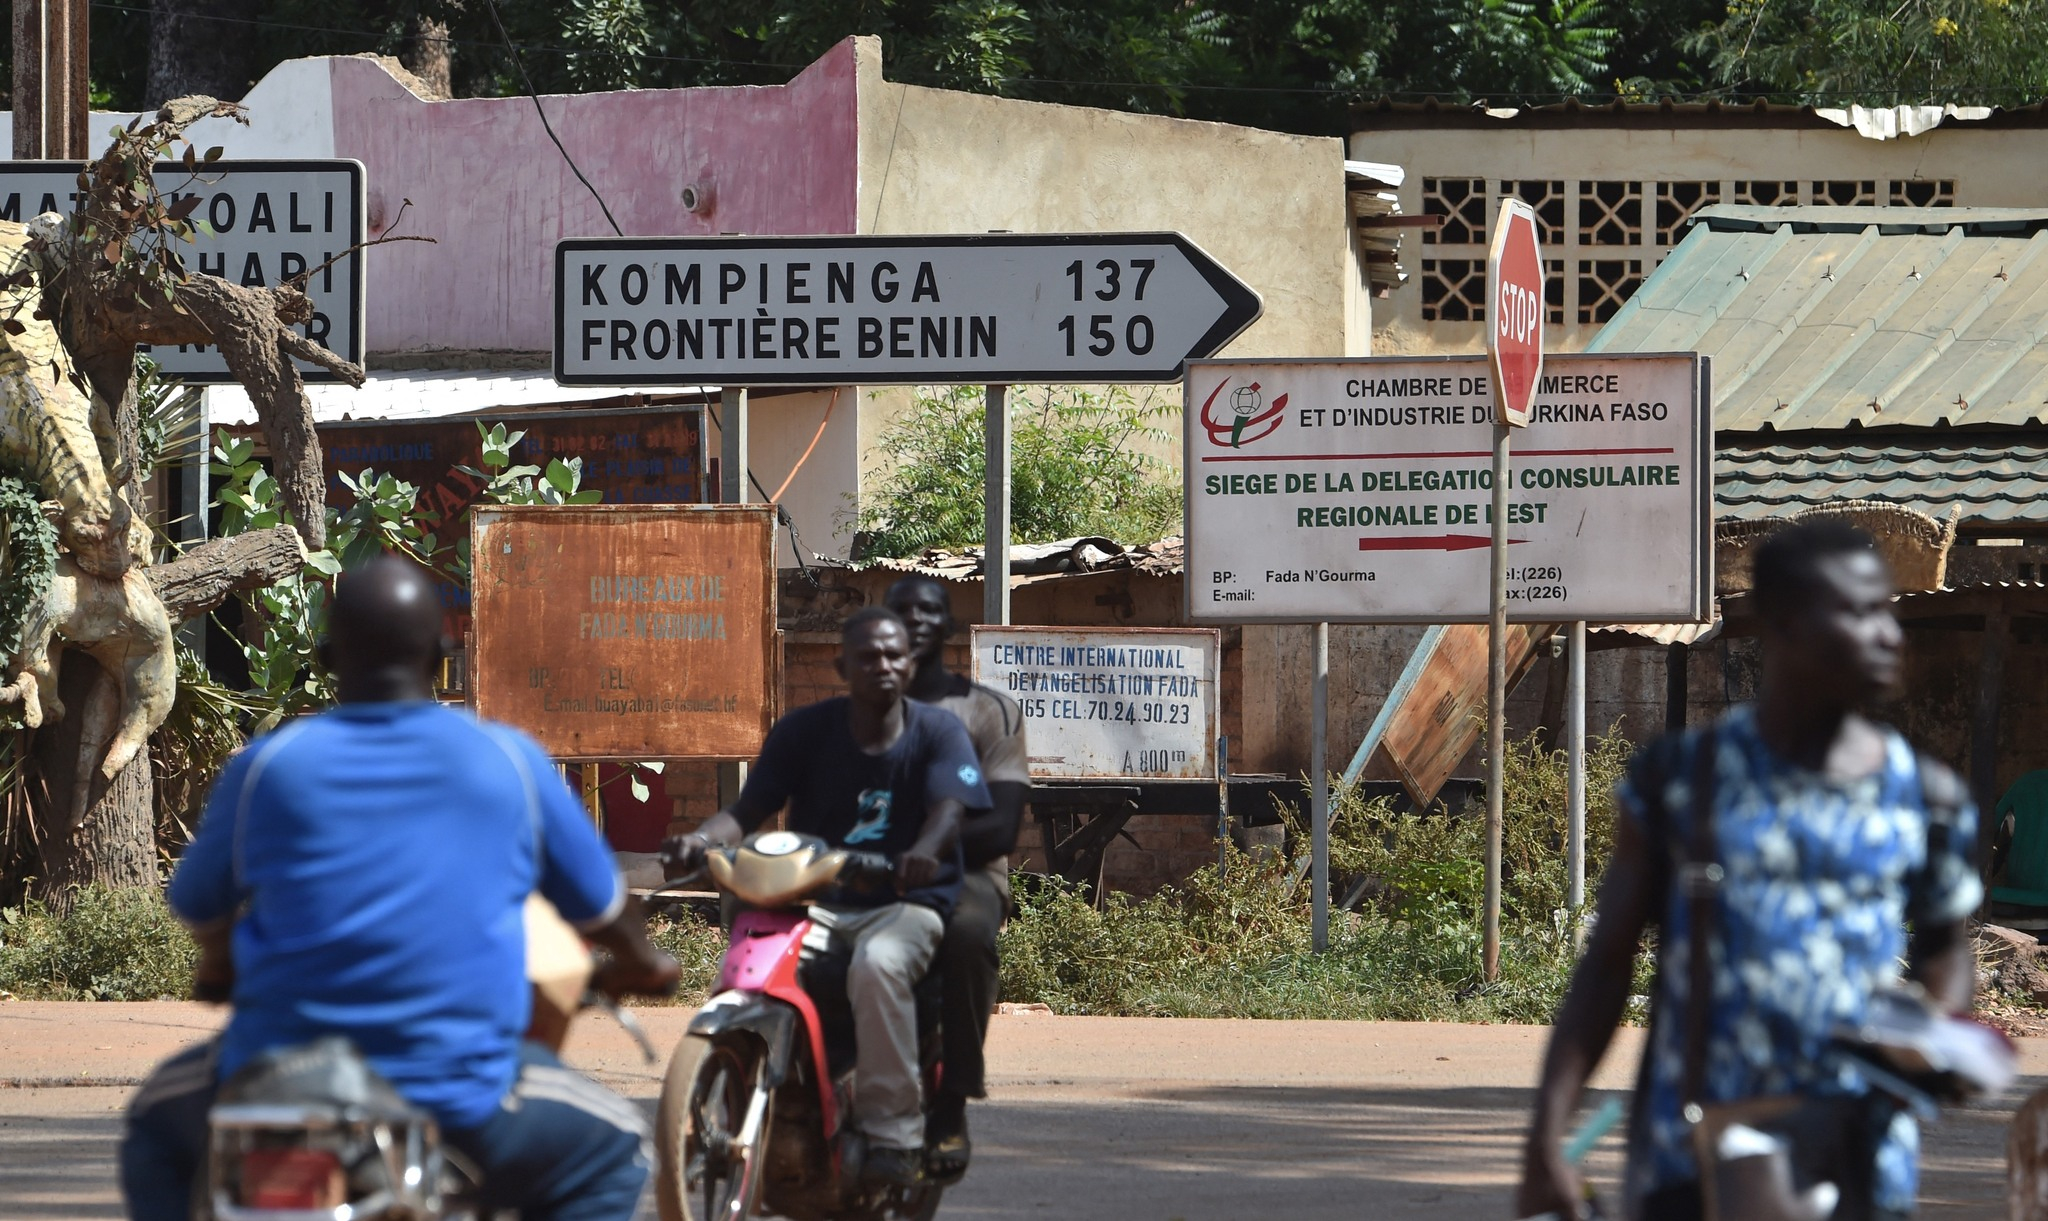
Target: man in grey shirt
{"points": [[968, 955]]}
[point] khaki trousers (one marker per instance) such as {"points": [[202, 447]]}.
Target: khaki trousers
{"points": [[890, 947]]}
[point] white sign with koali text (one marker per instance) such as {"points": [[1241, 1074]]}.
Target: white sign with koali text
{"points": [[260, 223], [1359, 491], [1109, 703], [987, 308]]}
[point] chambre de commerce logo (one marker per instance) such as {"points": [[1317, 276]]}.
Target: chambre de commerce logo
{"points": [[1245, 421]]}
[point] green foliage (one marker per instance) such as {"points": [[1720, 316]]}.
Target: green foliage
{"points": [[290, 616], [28, 558], [1236, 944], [1984, 52], [608, 39], [116, 945], [1077, 468], [203, 728], [168, 416]]}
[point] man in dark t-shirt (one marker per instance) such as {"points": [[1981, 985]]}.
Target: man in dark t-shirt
{"points": [[876, 772]]}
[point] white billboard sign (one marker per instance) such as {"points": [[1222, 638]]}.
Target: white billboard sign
{"points": [[261, 222], [1109, 703], [988, 308], [1358, 491]]}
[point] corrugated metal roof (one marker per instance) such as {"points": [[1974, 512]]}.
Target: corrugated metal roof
{"points": [[435, 393], [1389, 114], [1994, 484], [1841, 317]]}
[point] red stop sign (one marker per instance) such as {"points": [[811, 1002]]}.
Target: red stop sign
{"points": [[1514, 311]]}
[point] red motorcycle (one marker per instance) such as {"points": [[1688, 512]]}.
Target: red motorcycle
{"points": [[754, 1115]]}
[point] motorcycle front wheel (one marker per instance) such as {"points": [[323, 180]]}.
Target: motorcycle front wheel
{"points": [[711, 1129]]}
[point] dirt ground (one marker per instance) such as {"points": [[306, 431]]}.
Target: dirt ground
{"points": [[1122, 1119]]}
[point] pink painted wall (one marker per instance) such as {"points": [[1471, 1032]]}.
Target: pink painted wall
{"points": [[486, 183]]}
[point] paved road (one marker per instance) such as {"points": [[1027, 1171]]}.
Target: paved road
{"points": [[1109, 1118]]}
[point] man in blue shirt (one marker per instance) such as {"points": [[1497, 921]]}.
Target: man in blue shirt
{"points": [[1806, 840], [874, 771], [364, 873]]}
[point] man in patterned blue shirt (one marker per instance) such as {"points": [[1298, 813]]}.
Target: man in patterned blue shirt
{"points": [[1830, 838]]}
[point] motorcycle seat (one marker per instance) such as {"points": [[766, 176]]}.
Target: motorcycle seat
{"points": [[327, 1075]]}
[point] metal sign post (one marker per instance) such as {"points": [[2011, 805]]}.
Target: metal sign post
{"points": [[995, 535], [1319, 801], [1575, 773], [1514, 347]]}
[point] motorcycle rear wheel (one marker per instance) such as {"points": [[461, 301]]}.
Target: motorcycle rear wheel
{"points": [[705, 1171]]}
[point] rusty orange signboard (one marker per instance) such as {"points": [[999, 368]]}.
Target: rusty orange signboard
{"points": [[627, 631]]}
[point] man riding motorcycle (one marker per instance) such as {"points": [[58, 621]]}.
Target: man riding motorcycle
{"points": [[968, 955], [363, 873], [876, 772]]}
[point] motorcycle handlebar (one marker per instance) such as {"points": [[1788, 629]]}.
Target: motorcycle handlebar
{"points": [[867, 871]]}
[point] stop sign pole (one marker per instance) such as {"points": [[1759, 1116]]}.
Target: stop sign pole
{"points": [[1514, 348]]}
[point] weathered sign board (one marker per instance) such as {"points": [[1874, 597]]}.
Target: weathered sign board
{"points": [[260, 223], [874, 310], [1357, 491], [1109, 703], [627, 631]]}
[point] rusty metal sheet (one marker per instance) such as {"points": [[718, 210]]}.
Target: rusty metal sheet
{"points": [[627, 631], [1109, 703], [1444, 711]]}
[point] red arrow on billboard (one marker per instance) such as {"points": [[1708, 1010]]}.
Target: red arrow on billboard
{"points": [[1515, 308], [1429, 542]]}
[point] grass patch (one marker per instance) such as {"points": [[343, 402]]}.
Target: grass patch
{"points": [[698, 947], [1237, 945], [1236, 942]]}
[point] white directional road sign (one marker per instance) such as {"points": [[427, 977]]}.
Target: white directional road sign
{"points": [[261, 223], [1108, 703], [988, 308], [1359, 491]]}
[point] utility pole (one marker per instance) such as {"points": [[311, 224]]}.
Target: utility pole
{"points": [[52, 94], [733, 450]]}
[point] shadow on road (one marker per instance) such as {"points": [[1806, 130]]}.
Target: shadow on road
{"points": [[1232, 1153], [57, 1166]]}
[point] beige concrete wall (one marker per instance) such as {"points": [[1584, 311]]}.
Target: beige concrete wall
{"points": [[780, 428], [1990, 167], [1268, 206]]}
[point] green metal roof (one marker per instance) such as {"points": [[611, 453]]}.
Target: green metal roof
{"points": [[1995, 484], [1831, 318]]}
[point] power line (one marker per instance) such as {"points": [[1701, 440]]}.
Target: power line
{"points": [[545, 125]]}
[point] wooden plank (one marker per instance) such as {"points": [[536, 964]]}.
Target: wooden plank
{"points": [[1984, 716], [1443, 711], [627, 632], [28, 80]]}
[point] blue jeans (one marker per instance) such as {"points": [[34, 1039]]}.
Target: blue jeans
{"points": [[559, 1147]]}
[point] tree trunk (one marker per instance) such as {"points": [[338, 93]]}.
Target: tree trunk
{"points": [[203, 577], [200, 47], [115, 845]]}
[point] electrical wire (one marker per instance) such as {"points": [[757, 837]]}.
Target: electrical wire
{"points": [[815, 438], [796, 540], [546, 126]]}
